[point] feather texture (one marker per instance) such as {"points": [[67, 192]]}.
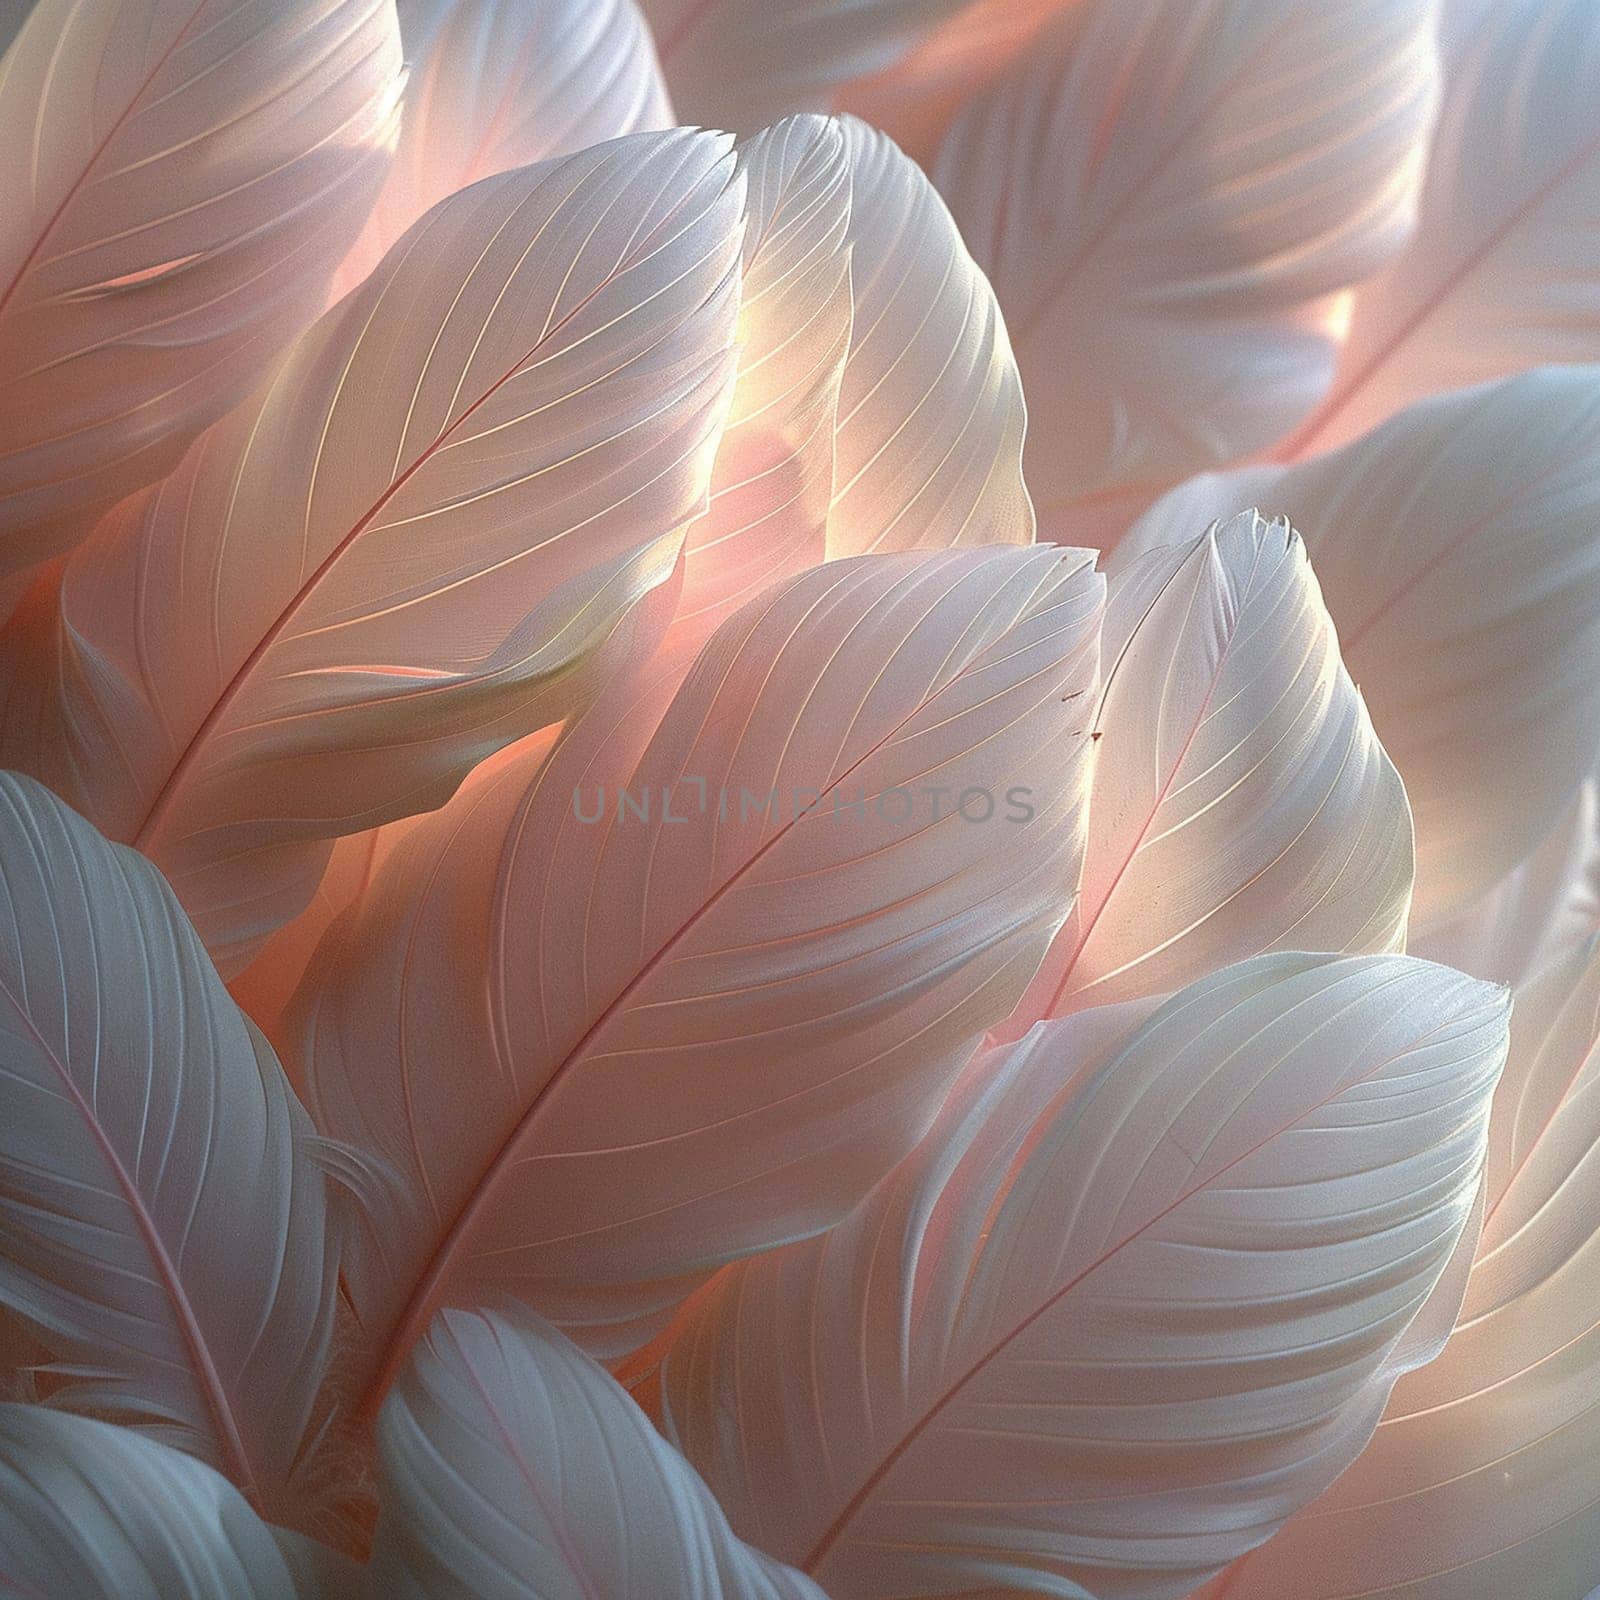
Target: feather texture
{"points": [[1241, 801], [1141, 1293], [772, 485], [93, 1512], [1165, 194], [162, 1209], [404, 551], [1501, 275], [265, 988], [931, 415], [1538, 912], [741, 63], [511, 1466], [1458, 547], [1479, 1481], [767, 513], [181, 180], [685, 1043], [496, 84], [915, 100]]}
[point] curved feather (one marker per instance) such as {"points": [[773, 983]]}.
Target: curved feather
{"points": [[915, 100], [607, 1050], [1241, 801], [772, 485], [1458, 547], [742, 63], [1166, 195], [768, 505], [1500, 275], [163, 1219], [510, 1464], [1538, 912], [93, 1512], [1479, 1480], [496, 84], [403, 553], [931, 414], [1141, 1294], [265, 988], [182, 178]]}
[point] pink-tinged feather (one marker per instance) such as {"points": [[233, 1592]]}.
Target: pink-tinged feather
{"points": [[510, 1464], [742, 63], [771, 488], [1169, 197], [1540, 911], [917, 99], [264, 989], [767, 510], [1479, 1480], [1140, 1295], [89, 1511], [1241, 801], [182, 178], [931, 413], [1458, 549], [412, 547], [497, 84], [1501, 274], [604, 1056], [162, 1207]]}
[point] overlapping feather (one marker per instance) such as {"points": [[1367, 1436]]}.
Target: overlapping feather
{"points": [[163, 1211], [1479, 1481], [510, 1465], [1166, 194], [931, 415], [657, 1001], [1241, 800], [94, 1512], [496, 84], [741, 63], [1141, 1293], [181, 180], [403, 552], [1458, 549], [1501, 274]]}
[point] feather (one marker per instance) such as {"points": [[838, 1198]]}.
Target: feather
{"points": [[22, 1358], [915, 100], [1480, 1479], [606, 1051], [1538, 912], [1169, 197], [1501, 273], [1241, 801], [93, 1512], [771, 487], [1140, 1294], [496, 84], [768, 507], [163, 1219], [182, 178], [264, 989], [511, 1465], [405, 550], [1458, 547], [741, 63], [931, 414]]}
